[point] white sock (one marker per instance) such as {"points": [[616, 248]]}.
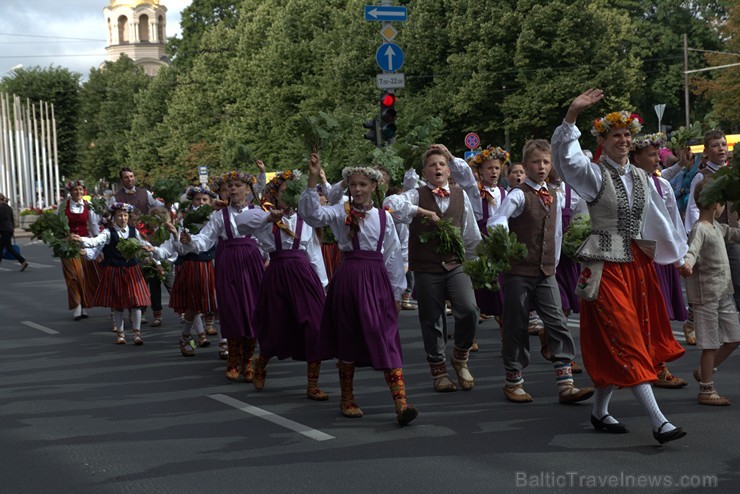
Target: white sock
{"points": [[198, 324], [136, 319], [78, 311], [601, 404], [118, 320], [644, 394], [187, 327]]}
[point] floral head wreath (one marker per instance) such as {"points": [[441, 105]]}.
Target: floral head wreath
{"points": [[198, 189], [272, 187], [215, 183], [490, 153], [642, 141], [369, 172], [121, 206], [237, 176], [75, 183], [617, 120]]}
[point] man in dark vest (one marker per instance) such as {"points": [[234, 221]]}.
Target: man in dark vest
{"points": [[533, 212], [440, 276], [142, 200]]}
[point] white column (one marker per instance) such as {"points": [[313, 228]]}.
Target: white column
{"points": [[56, 157]]}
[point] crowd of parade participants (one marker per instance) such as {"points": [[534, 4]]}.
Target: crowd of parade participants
{"points": [[321, 274]]}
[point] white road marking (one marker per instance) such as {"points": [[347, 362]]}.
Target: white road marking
{"points": [[271, 417], [39, 327], [38, 265], [5, 269]]}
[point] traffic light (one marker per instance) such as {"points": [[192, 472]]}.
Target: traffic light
{"points": [[372, 133], [388, 116]]}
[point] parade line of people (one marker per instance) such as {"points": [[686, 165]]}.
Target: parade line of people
{"points": [[299, 268]]}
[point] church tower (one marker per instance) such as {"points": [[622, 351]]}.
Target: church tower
{"points": [[137, 28]]}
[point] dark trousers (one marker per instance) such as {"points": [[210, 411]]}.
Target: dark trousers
{"points": [[431, 291], [542, 292], [6, 244], [155, 289]]}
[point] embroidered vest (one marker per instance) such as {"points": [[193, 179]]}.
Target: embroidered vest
{"points": [[78, 222], [139, 199], [614, 224]]}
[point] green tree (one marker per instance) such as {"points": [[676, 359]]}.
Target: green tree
{"points": [[196, 19], [60, 87], [107, 109]]}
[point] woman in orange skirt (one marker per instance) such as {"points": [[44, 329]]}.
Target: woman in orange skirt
{"points": [[626, 327]]}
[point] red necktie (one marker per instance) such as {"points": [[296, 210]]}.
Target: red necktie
{"points": [[439, 191], [545, 196]]}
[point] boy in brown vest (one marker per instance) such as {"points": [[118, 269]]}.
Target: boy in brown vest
{"points": [[532, 211], [441, 276]]}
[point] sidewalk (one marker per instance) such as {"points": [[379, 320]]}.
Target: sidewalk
{"points": [[21, 233]]}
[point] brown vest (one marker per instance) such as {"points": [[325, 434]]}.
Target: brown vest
{"points": [[535, 228], [139, 200], [423, 257]]}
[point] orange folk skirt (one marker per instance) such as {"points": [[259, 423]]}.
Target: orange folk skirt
{"points": [[75, 280], [626, 332]]}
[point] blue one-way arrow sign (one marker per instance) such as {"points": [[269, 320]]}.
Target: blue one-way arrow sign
{"points": [[385, 13], [389, 57]]}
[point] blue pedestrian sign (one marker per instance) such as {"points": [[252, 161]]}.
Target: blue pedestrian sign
{"points": [[389, 57], [469, 154], [385, 13]]}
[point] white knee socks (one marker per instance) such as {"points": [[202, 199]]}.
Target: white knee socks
{"points": [[118, 320], [136, 319], [644, 394], [198, 324], [601, 404]]}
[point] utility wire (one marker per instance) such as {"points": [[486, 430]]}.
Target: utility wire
{"points": [[48, 37]]}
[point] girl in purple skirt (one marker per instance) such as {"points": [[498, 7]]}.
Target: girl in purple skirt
{"points": [[287, 317], [239, 270], [645, 154], [360, 319]]}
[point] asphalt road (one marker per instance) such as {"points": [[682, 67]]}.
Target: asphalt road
{"points": [[80, 414]]}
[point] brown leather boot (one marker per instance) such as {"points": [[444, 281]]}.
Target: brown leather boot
{"points": [[260, 373], [234, 359], [405, 413], [248, 345]]}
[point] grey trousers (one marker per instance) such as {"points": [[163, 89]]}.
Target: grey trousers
{"points": [[432, 289], [520, 293]]}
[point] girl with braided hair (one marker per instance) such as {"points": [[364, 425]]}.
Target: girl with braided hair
{"points": [[360, 319]]}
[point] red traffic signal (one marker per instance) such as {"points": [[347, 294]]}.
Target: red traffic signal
{"points": [[387, 100], [388, 116]]}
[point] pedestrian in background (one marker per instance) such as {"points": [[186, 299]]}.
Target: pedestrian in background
{"points": [[7, 227]]}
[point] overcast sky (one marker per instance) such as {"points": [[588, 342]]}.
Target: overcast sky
{"points": [[32, 32]]}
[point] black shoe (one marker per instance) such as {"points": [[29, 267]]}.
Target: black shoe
{"points": [[78, 318], [84, 316], [664, 437], [600, 425]]}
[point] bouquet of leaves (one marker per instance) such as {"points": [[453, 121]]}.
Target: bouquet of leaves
{"points": [[98, 205], [131, 248], [327, 236], [53, 229], [494, 254], [317, 130], [293, 190], [157, 224], [195, 219], [448, 237], [150, 271], [724, 185], [577, 233], [684, 135]]}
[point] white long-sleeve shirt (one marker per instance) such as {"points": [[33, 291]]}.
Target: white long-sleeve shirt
{"points": [[93, 220], [585, 177], [334, 216], [464, 177], [213, 231], [513, 206], [692, 210], [404, 207], [257, 223]]}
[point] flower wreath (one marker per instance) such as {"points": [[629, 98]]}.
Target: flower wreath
{"points": [[618, 120], [121, 206], [272, 187], [75, 183], [191, 192], [490, 153], [237, 176], [642, 141], [369, 172]]}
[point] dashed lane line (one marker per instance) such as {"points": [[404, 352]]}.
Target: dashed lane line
{"points": [[39, 327], [271, 417]]}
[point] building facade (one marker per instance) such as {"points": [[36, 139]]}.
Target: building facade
{"points": [[138, 29]]}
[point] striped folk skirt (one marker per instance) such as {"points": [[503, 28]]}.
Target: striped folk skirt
{"points": [[194, 287], [122, 287], [74, 277]]}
